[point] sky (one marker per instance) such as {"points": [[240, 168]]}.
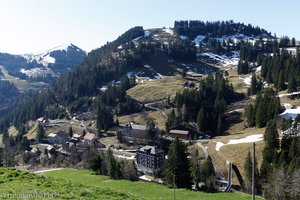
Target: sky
{"points": [[28, 26]]}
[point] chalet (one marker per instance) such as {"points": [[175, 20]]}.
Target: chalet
{"points": [[60, 137], [90, 138], [189, 84], [150, 158], [182, 134], [134, 132], [42, 120], [51, 149]]}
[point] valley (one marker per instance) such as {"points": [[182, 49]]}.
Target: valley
{"points": [[189, 97]]}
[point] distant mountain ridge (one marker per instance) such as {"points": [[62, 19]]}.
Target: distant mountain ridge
{"points": [[43, 65]]}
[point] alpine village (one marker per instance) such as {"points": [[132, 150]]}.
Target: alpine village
{"points": [[200, 110]]}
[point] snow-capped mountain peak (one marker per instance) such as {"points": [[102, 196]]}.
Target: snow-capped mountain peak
{"points": [[46, 57]]}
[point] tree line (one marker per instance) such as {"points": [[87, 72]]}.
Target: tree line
{"points": [[193, 28], [209, 102]]}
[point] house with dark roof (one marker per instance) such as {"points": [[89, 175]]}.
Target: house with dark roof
{"points": [[92, 139], [182, 134], [134, 133], [89, 138], [61, 137], [150, 159]]}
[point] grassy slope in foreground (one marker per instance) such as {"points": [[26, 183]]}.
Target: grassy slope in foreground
{"points": [[140, 190], [15, 184]]}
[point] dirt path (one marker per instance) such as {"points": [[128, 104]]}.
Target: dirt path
{"points": [[47, 170], [217, 169]]}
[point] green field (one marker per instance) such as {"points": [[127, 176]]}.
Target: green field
{"points": [[15, 184], [138, 190], [22, 85]]}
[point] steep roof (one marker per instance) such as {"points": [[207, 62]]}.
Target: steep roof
{"points": [[90, 136], [138, 127], [152, 149], [179, 132]]}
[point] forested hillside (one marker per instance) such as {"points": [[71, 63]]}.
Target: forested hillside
{"points": [[130, 53], [231, 77]]}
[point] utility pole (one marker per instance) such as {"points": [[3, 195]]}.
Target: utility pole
{"points": [[253, 171], [174, 186]]}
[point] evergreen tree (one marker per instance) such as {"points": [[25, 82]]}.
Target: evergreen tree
{"points": [[201, 120], [185, 113], [261, 115], [271, 135], [248, 167], [183, 73], [270, 150], [196, 174], [95, 164], [177, 166], [253, 88], [250, 115], [171, 121], [151, 131], [5, 137], [292, 85], [114, 169], [70, 131], [40, 133], [219, 125], [208, 173], [280, 81]]}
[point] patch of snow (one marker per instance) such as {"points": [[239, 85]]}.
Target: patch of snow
{"points": [[43, 57], [103, 88], [287, 106], [223, 60], [219, 145], [236, 110], [248, 139], [288, 94], [125, 157], [120, 47], [168, 30], [258, 69], [198, 40], [130, 74], [158, 76], [186, 66], [291, 113], [33, 72], [246, 80], [147, 33], [148, 66], [145, 178], [48, 59], [183, 37], [136, 39]]}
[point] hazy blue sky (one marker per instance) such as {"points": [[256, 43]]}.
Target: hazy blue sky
{"points": [[34, 25]]}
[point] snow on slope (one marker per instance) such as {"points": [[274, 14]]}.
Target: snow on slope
{"points": [[246, 80], [198, 40], [288, 94], [248, 139], [223, 60], [146, 34], [290, 112], [44, 57], [168, 30], [258, 69]]}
